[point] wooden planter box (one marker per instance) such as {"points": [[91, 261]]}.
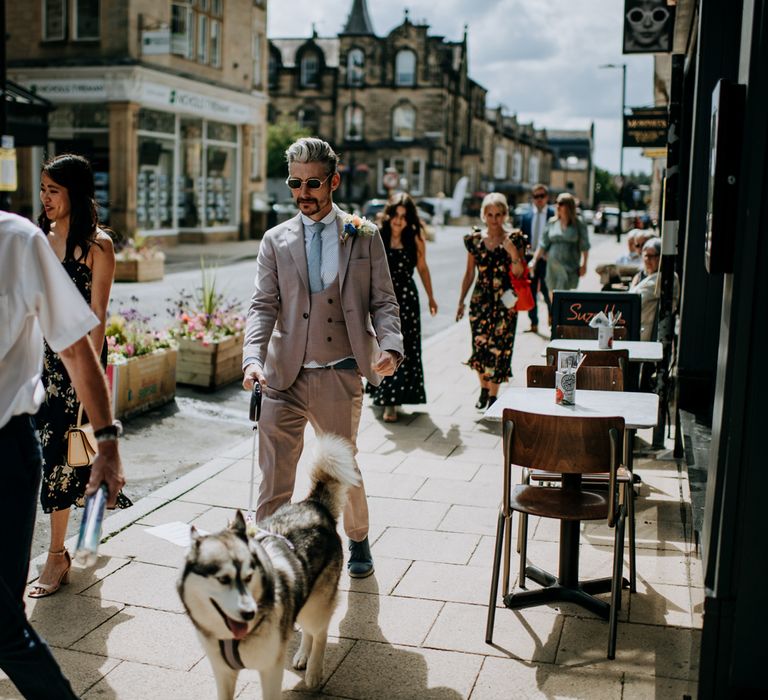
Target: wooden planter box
{"points": [[212, 365], [143, 382], [139, 270]]}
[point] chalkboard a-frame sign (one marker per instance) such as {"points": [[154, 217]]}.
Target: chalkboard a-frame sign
{"points": [[573, 308]]}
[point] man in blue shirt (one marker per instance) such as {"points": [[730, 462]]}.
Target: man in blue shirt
{"points": [[533, 223]]}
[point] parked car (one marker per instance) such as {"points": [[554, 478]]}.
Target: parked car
{"points": [[606, 220], [282, 211], [588, 216]]}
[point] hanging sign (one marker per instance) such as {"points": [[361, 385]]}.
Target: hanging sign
{"points": [[646, 127]]}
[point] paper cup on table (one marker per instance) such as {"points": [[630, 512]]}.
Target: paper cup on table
{"points": [[565, 388], [605, 337]]}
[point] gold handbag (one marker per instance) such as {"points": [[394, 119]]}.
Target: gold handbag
{"points": [[81, 443]]}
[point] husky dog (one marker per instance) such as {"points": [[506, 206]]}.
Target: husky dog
{"points": [[245, 587]]}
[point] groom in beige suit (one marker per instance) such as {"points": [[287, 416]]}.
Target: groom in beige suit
{"points": [[323, 314]]}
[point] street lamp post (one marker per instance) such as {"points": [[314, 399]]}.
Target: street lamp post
{"points": [[623, 67]]}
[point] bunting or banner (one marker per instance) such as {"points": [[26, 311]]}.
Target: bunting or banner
{"points": [[648, 26]]}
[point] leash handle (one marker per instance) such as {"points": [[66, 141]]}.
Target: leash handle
{"points": [[254, 414], [255, 410]]}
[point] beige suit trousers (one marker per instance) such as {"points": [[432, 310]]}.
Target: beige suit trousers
{"points": [[332, 401]]}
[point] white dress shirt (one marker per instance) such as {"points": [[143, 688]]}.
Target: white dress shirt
{"points": [[37, 299]]}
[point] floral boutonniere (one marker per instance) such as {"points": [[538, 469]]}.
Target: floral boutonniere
{"points": [[354, 225]]}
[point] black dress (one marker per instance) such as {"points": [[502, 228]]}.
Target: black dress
{"points": [[493, 324], [63, 486], [406, 385]]}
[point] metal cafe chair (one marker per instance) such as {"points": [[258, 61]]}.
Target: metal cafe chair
{"points": [[594, 379], [586, 332], [573, 447]]}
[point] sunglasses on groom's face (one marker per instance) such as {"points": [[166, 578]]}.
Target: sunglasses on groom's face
{"points": [[313, 183]]}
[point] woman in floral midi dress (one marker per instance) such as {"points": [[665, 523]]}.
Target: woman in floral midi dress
{"points": [[490, 256]]}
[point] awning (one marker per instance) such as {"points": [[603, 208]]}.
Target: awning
{"points": [[26, 116]]}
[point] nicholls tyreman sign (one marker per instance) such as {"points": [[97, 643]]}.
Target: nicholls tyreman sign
{"points": [[646, 127]]}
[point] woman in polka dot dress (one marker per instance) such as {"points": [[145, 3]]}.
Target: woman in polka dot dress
{"points": [[401, 230]]}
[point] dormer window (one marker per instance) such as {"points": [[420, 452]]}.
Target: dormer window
{"points": [[310, 70], [405, 68], [355, 67]]}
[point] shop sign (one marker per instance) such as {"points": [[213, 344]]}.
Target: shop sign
{"points": [[187, 102], [87, 90], [156, 42], [646, 127]]}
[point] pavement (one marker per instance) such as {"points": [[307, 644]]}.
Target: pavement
{"points": [[416, 628]]}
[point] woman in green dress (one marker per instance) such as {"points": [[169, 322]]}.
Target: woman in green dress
{"points": [[565, 243]]}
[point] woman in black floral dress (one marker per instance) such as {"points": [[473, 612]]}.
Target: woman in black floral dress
{"points": [[70, 221], [401, 231], [490, 254]]}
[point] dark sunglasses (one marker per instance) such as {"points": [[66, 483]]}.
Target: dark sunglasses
{"points": [[637, 15], [314, 183], [541, 195]]}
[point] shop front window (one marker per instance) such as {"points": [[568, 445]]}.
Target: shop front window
{"points": [[191, 187], [220, 185], [154, 195]]}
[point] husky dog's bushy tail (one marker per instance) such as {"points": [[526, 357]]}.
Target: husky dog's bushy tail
{"points": [[333, 472]]}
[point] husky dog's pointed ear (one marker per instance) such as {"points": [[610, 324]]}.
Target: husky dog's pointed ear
{"points": [[194, 537], [238, 525]]}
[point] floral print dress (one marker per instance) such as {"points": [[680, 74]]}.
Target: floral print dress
{"points": [[63, 486], [493, 324], [406, 385]]}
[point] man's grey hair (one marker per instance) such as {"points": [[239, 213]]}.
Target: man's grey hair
{"points": [[312, 150]]}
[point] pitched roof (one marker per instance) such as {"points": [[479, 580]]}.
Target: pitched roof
{"points": [[359, 22], [289, 47]]}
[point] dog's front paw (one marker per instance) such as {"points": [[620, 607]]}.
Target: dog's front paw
{"points": [[300, 660], [313, 680]]}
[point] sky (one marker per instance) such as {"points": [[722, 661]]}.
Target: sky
{"points": [[538, 58]]}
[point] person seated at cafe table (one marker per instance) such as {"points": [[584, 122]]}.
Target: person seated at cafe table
{"points": [[645, 283], [626, 265]]}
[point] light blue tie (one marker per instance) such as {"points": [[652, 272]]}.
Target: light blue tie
{"points": [[314, 258]]}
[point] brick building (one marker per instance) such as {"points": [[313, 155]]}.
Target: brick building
{"points": [[166, 97], [402, 101]]}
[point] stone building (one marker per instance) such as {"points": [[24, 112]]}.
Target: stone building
{"points": [[165, 97], [403, 101], [573, 169]]}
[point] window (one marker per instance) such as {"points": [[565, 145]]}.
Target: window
{"points": [[405, 67], [353, 123], [202, 36], [410, 169], [500, 163], [533, 169], [181, 29], [274, 69], [307, 118], [196, 30], [54, 20], [86, 19], [355, 67], [404, 122], [208, 173], [517, 166], [215, 43], [310, 68]]}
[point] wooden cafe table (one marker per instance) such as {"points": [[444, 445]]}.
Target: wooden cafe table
{"points": [[639, 410]]}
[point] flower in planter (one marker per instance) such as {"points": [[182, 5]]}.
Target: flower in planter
{"points": [[205, 316], [138, 248], [130, 334]]}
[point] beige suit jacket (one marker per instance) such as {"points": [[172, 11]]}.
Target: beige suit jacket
{"points": [[278, 318]]}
